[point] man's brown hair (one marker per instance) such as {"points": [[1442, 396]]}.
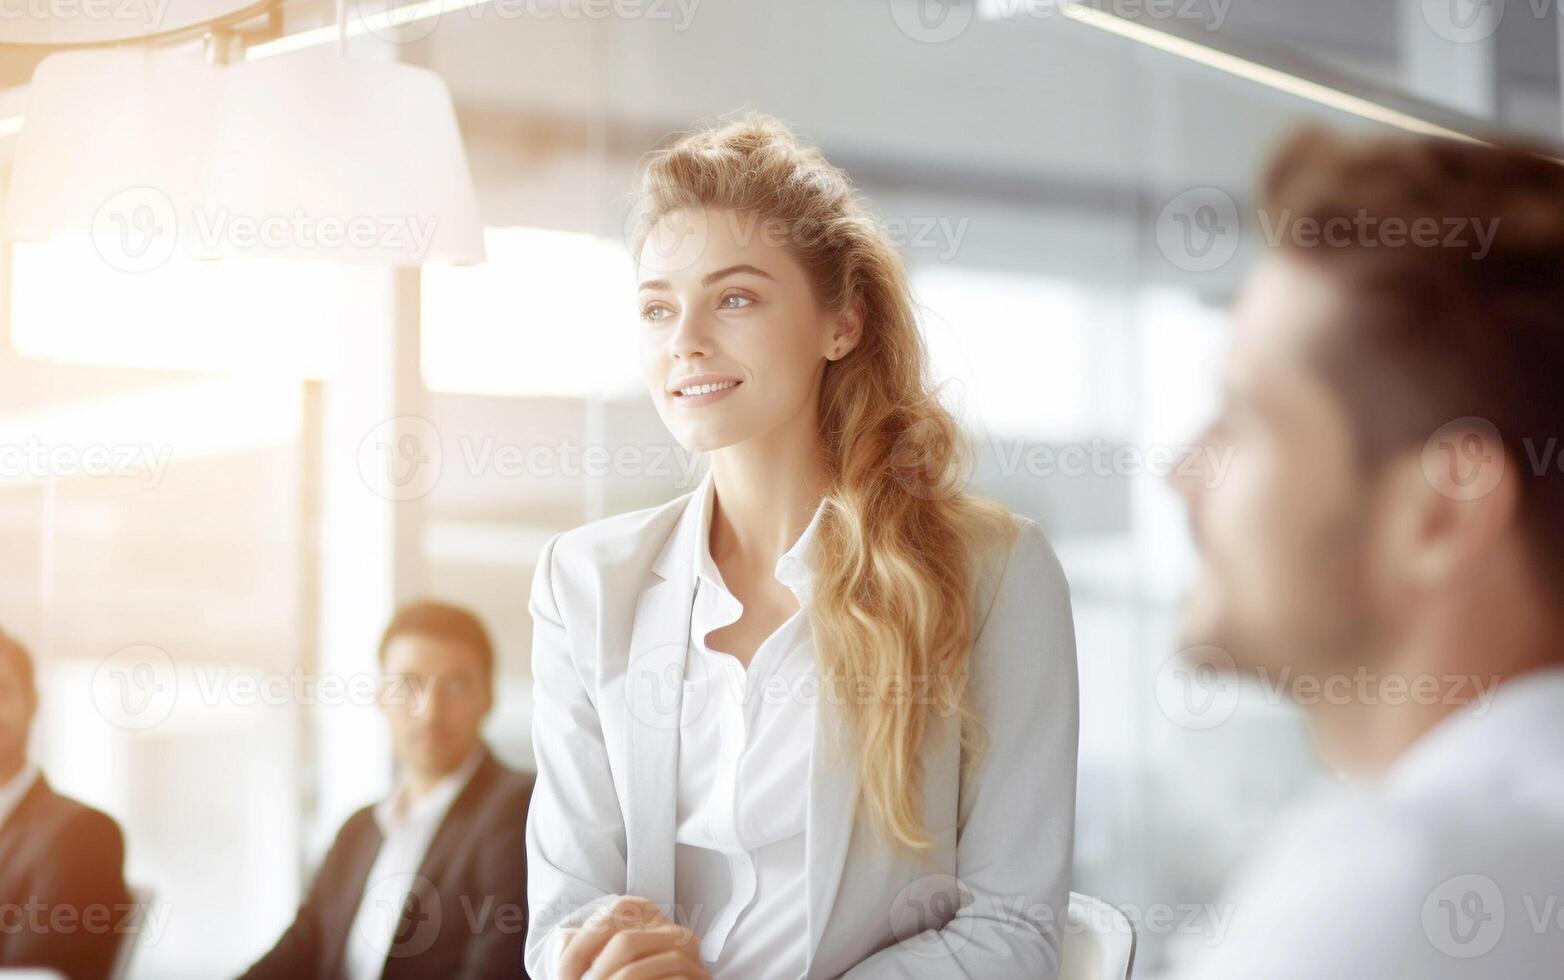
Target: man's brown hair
{"points": [[1468, 323], [442, 621]]}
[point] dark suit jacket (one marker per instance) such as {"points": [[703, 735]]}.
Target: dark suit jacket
{"points": [[467, 918], [62, 875]]}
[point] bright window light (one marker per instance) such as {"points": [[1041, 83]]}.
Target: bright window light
{"points": [[1014, 347], [549, 313], [270, 317]]}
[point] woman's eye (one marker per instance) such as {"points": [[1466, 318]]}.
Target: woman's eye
{"points": [[735, 301], [654, 314]]}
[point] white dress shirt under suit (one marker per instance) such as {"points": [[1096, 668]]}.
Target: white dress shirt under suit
{"points": [[614, 609], [407, 826], [744, 742]]}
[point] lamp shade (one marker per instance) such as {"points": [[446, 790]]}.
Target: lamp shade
{"points": [[112, 148], [336, 158]]}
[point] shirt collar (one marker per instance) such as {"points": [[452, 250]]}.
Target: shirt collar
{"points": [[398, 809], [796, 568], [13, 789]]}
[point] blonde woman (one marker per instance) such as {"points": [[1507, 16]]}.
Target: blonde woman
{"points": [[818, 717]]}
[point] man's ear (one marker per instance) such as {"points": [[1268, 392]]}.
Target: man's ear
{"points": [[1444, 513], [846, 332]]}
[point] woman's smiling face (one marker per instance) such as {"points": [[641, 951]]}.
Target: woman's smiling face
{"points": [[733, 343]]}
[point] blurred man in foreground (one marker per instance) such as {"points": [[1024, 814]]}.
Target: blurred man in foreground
{"points": [[430, 882], [63, 899], [1387, 548]]}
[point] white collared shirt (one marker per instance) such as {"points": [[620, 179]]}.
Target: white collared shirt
{"points": [[1450, 866], [745, 738], [407, 826], [13, 789]]}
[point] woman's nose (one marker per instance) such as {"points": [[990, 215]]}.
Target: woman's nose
{"points": [[691, 336]]}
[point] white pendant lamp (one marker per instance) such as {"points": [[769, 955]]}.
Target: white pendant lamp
{"points": [[302, 155], [112, 150], [317, 156]]}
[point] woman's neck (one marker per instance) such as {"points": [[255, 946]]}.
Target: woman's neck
{"points": [[766, 495]]}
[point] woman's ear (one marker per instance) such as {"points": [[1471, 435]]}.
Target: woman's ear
{"points": [[847, 330]]}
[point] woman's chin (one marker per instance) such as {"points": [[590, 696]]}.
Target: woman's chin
{"points": [[703, 441]]}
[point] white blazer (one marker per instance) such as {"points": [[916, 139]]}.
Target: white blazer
{"points": [[611, 606]]}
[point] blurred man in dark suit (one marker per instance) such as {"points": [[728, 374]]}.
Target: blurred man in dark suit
{"points": [[430, 882], [63, 898]]}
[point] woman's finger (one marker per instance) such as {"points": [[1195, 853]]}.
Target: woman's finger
{"points": [[582, 949]]}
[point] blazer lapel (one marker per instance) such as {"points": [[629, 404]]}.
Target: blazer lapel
{"points": [[347, 891], [833, 803], [654, 695]]}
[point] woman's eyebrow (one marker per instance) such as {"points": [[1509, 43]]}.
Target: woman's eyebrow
{"points": [[709, 277], [712, 277]]}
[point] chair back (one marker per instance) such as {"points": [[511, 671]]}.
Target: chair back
{"points": [[1099, 941]]}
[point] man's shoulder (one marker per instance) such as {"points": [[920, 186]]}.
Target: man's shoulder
{"points": [[510, 793], [59, 816], [1367, 882], [508, 783]]}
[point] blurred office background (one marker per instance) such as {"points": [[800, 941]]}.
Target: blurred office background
{"points": [[221, 476]]}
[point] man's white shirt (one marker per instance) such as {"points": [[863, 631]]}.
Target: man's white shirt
{"points": [[407, 827], [1450, 866]]}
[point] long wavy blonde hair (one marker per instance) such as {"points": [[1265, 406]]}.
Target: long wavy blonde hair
{"points": [[892, 611]]}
